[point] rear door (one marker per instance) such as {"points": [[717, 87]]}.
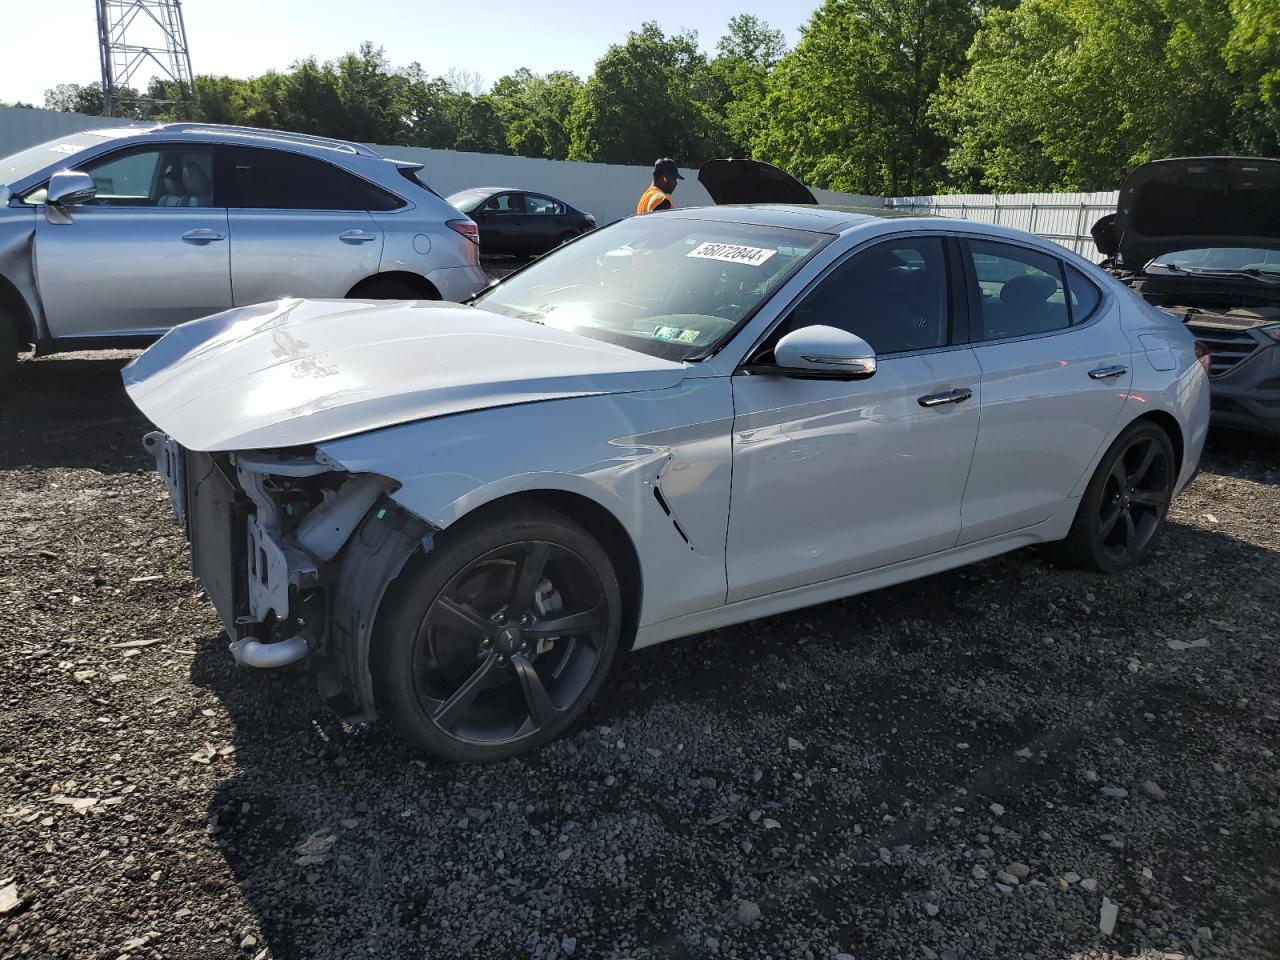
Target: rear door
{"points": [[150, 251], [546, 220], [299, 226], [1055, 374]]}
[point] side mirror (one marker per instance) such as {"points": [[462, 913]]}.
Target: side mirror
{"points": [[824, 352], [70, 187]]}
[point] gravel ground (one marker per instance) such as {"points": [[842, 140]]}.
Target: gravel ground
{"points": [[976, 765]]}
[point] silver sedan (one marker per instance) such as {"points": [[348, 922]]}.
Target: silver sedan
{"points": [[460, 514]]}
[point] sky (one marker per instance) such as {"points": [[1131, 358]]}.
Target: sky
{"points": [[245, 38]]}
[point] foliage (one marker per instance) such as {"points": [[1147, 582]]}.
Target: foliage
{"points": [[880, 96], [652, 96], [847, 108], [1068, 94]]}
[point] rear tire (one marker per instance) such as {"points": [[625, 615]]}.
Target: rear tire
{"points": [[1124, 507], [9, 346], [565, 238], [387, 288], [497, 640]]}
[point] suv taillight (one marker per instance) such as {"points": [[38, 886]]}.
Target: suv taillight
{"points": [[1202, 354], [467, 228]]}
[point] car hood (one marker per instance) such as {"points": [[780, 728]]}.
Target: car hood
{"points": [[1188, 203], [295, 372], [751, 181]]}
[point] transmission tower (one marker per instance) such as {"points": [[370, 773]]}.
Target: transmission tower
{"points": [[139, 40]]}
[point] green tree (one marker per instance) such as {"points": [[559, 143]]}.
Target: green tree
{"points": [[477, 125], [535, 110], [1068, 94], [746, 54], [75, 98], [848, 107], [649, 97]]}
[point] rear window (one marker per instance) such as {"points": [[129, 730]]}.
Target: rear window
{"points": [[280, 180], [1084, 294]]}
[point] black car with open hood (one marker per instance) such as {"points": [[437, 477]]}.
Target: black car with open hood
{"points": [[741, 180], [1199, 237]]}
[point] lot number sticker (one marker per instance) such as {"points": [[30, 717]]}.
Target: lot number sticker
{"points": [[731, 253]]}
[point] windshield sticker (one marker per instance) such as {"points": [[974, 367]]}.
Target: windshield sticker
{"points": [[676, 335], [731, 253], [66, 148]]}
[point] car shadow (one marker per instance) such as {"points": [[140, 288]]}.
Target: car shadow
{"points": [[905, 705], [1242, 454], [70, 411]]}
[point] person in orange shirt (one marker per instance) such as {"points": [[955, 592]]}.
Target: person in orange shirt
{"points": [[658, 196]]}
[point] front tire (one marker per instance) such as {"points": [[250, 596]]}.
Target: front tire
{"points": [[1125, 505], [498, 639], [9, 346]]}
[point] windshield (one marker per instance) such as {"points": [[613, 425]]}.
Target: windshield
{"points": [[20, 165], [466, 200], [670, 287], [1213, 259]]}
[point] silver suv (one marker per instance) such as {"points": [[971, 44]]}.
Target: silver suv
{"points": [[110, 237]]}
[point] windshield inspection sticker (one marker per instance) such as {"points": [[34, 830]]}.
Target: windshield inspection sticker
{"points": [[731, 253], [675, 335]]}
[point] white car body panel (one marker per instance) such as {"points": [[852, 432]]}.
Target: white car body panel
{"points": [[742, 494], [295, 372], [845, 457]]}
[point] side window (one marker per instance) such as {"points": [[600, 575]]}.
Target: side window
{"points": [[280, 180], [543, 205], [154, 177], [894, 296], [1084, 293], [374, 198], [506, 203], [1020, 291]]}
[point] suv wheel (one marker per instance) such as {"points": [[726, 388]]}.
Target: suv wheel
{"points": [[387, 288], [8, 351]]}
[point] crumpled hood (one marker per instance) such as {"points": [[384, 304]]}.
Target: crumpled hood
{"points": [[294, 372], [1188, 203]]}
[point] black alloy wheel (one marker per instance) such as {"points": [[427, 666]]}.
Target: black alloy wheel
{"points": [[1126, 502], [500, 636]]}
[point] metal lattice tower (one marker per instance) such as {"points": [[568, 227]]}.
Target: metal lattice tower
{"points": [[140, 40]]}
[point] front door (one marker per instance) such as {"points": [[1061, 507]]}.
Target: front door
{"points": [[299, 227], [834, 478], [150, 251], [1055, 375]]}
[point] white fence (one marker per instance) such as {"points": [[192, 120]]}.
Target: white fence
{"points": [[1061, 217], [610, 190]]}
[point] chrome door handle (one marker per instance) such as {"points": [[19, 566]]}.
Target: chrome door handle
{"points": [[200, 236], [356, 236], [1103, 373], [951, 396]]}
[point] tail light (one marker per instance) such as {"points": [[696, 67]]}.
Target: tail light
{"points": [[467, 228], [1202, 354]]}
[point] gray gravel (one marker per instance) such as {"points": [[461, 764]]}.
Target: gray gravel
{"points": [[921, 772]]}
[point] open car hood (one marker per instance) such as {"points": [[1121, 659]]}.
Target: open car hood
{"points": [[296, 372], [1188, 203], [751, 181]]}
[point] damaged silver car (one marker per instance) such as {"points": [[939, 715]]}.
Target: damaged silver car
{"points": [[1200, 238], [461, 513]]}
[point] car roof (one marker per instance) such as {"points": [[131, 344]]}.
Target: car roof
{"points": [[247, 134], [826, 218]]}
